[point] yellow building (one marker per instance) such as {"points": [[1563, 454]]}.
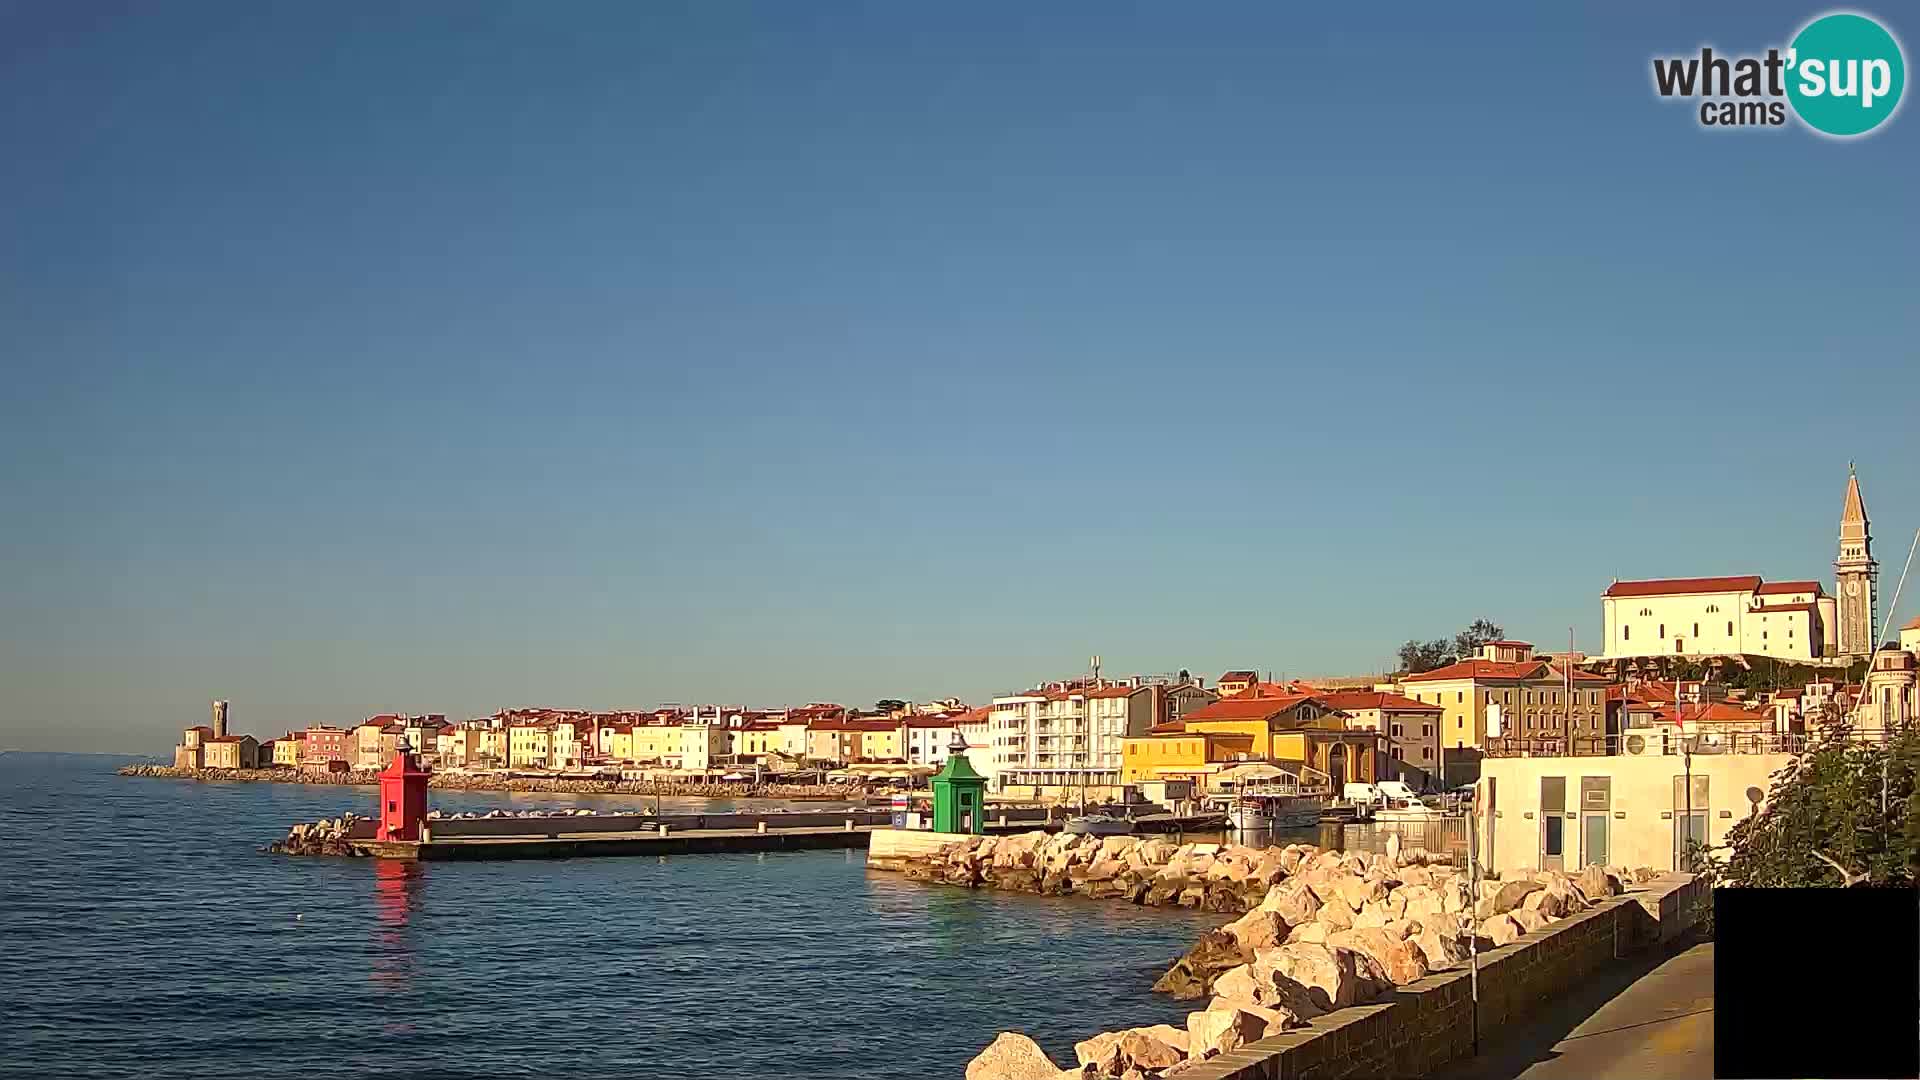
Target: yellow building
{"points": [[616, 741], [880, 740], [654, 743], [529, 746], [1293, 728], [1180, 755], [286, 749], [230, 752], [1506, 686]]}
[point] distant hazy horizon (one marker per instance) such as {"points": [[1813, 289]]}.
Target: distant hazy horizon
{"points": [[454, 356]]}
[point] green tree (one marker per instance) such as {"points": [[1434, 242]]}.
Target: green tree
{"points": [[888, 705], [1418, 656], [1841, 814], [1467, 642]]}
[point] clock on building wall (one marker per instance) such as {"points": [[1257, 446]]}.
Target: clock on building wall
{"points": [[1853, 587]]}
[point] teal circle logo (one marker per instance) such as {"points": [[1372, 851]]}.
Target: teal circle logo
{"points": [[1845, 73]]}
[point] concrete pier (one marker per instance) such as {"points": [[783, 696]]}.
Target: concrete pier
{"points": [[685, 834]]}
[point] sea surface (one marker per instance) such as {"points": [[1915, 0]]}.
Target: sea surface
{"points": [[144, 933]]}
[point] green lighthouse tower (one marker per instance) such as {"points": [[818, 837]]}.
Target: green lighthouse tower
{"points": [[959, 793]]}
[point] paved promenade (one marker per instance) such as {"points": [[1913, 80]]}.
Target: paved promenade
{"points": [[1651, 1018]]}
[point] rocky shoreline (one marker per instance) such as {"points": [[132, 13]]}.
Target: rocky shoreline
{"points": [[479, 782], [1318, 931]]}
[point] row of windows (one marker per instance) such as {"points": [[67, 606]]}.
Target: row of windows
{"points": [[1528, 697]]}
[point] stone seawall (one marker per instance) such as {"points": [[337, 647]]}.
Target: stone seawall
{"points": [[1323, 937], [1431, 1022], [473, 782]]}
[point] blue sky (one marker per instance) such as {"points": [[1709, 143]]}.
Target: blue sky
{"points": [[469, 355]]}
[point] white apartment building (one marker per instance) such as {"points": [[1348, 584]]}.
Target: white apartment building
{"points": [[1068, 737], [927, 738]]}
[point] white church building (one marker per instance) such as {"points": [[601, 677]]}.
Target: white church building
{"points": [[1746, 616]]}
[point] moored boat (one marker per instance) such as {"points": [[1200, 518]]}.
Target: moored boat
{"points": [[1098, 825]]}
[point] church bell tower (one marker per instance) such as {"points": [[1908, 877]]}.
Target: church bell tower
{"points": [[1856, 574]]}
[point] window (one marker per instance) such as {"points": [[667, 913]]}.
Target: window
{"points": [[1663, 631], [1646, 611], [1396, 731], [1426, 753], [1729, 629], [1426, 730], [1626, 633], [1696, 629], [1459, 697], [1712, 608]]}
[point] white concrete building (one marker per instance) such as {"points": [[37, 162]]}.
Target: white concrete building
{"points": [[1067, 736], [927, 738], [1743, 615], [1721, 616]]}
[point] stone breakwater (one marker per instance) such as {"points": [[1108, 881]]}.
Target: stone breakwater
{"points": [[1318, 931], [328, 836], [483, 782]]}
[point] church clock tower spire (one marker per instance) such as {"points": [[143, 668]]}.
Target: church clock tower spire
{"points": [[1856, 574]]}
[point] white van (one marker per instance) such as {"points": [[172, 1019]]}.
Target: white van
{"points": [[1397, 790], [1362, 795]]}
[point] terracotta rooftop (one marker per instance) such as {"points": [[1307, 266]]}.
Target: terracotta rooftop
{"points": [[1670, 586], [1782, 609], [1775, 587], [1500, 671], [1349, 700], [1247, 707]]}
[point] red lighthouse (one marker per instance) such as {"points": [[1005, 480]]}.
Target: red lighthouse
{"points": [[403, 795]]}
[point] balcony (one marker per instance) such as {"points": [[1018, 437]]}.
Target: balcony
{"points": [[1648, 744]]}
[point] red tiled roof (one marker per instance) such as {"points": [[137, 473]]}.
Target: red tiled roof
{"points": [[201, 727], [1667, 586], [1513, 644], [1171, 727], [1247, 707], [1500, 671], [1113, 692], [1237, 676], [230, 738], [1782, 609], [1912, 624], [1349, 700], [1773, 587], [1720, 712], [924, 722]]}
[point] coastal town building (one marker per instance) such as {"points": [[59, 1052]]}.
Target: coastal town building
{"points": [[1564, 813], [530, 744], [230, 752], [702, 746], [1235, 682], [1299, 732], [1507, 693], [928, 737], [1068, 737], [1718, 616], [1412, 730], [1745, 616], [187, 754], [288, 749], [324, 748], [1889, 703]]}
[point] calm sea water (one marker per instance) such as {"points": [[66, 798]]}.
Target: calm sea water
{"points": [[143, 933]]}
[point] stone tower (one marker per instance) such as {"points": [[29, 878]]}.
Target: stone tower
{"points": [[219, 719], [1856, 574]]}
